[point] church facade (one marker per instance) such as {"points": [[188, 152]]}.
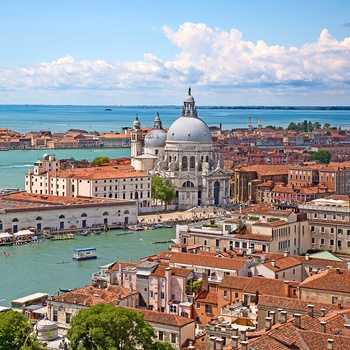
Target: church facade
{"points": [[184, 157]]}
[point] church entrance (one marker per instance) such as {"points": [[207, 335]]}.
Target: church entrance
{"points": [[216, 192]]}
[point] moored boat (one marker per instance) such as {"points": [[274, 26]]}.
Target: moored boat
{"points": [[135, 228], [84, 253]]}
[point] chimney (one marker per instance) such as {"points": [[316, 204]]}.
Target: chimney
{"points": [[323, 325], [286, 289], [219, 342], [310, 310], [75, 300], [347, 330], [337, 270], [268, 324], [191, 346], [234, 339], [243, 335], [273, 263], [273, 317], [244, 345], [297, 320], [323, 312], [235, 331], [212, 342], [330, 344], [285, 253], [85, 302], [283, 316], [307, 257]]}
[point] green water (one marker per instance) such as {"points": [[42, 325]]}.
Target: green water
{"points": [[37, 267]]}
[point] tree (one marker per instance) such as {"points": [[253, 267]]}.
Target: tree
{"points": [[105, 326], [16, 332], [160, 191], [162, 346], [322, 156], [326, 126], [97, 161]]}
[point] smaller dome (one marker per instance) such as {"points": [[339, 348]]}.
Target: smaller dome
{"points": [[189, 98], [46, 325], [136, 124], [155, 138]]}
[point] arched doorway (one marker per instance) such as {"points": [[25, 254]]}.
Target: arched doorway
{"points": [[216, 192]]}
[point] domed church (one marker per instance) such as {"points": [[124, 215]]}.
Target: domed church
{"points": [[184, 156]]}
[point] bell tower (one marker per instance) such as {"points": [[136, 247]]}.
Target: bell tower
{"points": [[136, 138]]}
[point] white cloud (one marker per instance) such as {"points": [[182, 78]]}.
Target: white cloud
{"points": [[209, 58]]}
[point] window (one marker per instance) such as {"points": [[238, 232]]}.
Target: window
{"points": [[217, 243], [322, 241], [334, 300], [207, 308], [225, 293], [198, 306], [322, 229], [162, 295], [331, 242], [68, 317], [332, 229], [160, 335], [173, 337], [236, 295], [151, 294], [55, 315], [339, 244], [172, 309], [313, 240], [340, 231]]}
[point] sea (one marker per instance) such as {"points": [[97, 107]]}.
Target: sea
{"points": [[38, 267], [26, 118]]}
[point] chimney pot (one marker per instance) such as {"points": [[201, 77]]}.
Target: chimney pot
{"points": [[323, 325], [244, 345], [243, 335], [347, 330], [284, 316], [268, 323], [285, 253], [323, 312], [297, 320], [234, 339], [337, 270], [310, 310], [273, 317], [330, 344], [307, 257], [273, 263]]}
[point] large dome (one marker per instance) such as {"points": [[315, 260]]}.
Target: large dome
{"points": [[155, 138], [189, 129]]}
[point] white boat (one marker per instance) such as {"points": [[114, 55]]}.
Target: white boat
{"points": [[84, 253]]}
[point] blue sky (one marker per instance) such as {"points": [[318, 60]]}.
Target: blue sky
{"points": [[248, 52]]}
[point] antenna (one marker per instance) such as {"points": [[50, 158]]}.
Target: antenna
{"points": [[259, 122], [250, 125]]}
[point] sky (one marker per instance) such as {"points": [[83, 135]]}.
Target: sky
{"points": [[138, 52]]}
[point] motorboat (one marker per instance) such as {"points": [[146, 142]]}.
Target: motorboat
{"points": [[84, 253]]}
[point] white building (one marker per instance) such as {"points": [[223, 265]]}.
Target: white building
{"points": [[119, 182], [184, 156]]}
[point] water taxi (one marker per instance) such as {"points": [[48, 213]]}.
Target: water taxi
{"points": [[84, 253]]}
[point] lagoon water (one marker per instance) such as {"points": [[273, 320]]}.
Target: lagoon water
{"points": [[36, 267]]}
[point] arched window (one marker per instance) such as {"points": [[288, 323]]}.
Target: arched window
{"points": [[136, 195], [15, 220], [61, 217], [105, 213], [188, 184], [184, 162], [38, 218], [126, 212], [83, 215], [192, 162]]}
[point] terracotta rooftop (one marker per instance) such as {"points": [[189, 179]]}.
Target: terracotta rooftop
{"points": [[234, 282], [207, 297], [267, 286], [210, 261], [164, 318], [282, 263], [175, 271], [337, 280], [30, 200], [90, 296]]}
